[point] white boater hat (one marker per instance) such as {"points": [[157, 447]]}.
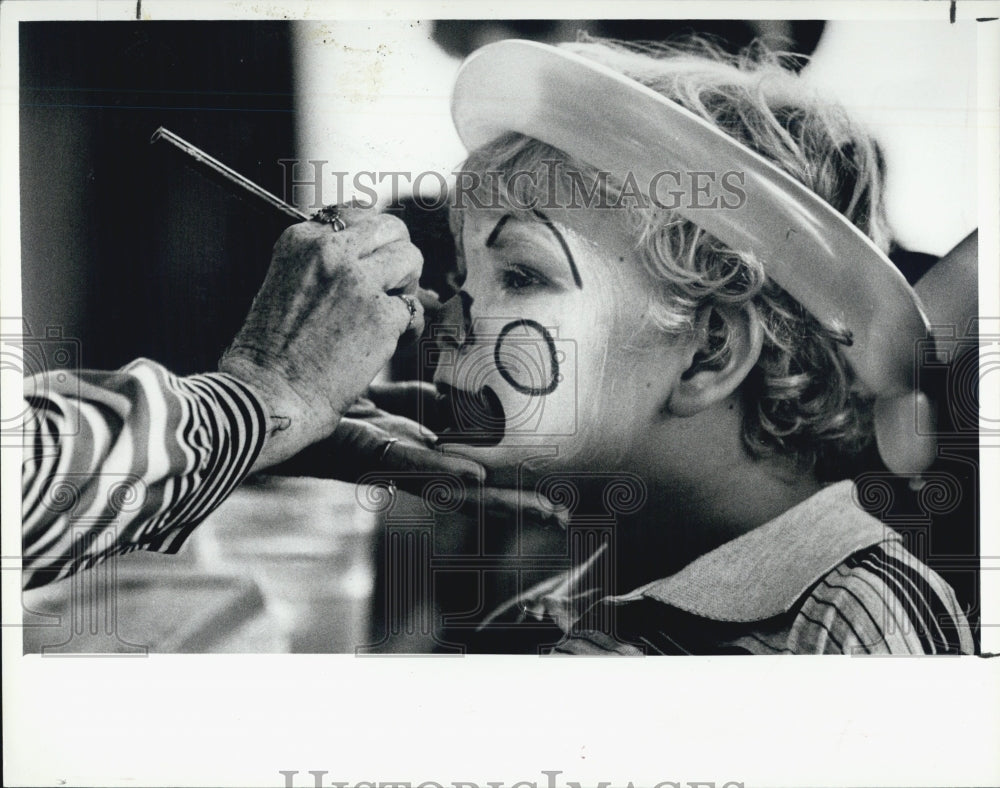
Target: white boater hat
{"points": [[618, 125]]}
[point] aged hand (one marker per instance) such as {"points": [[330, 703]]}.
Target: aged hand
{"points": [[325, 321], [381, 436]]}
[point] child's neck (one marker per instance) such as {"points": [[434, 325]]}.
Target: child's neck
{"points": [[677, 526]]}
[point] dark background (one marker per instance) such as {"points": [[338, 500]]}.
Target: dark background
{"points": [[122, 247]]}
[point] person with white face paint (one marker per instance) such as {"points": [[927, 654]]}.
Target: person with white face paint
{"points": [[671, 270]]}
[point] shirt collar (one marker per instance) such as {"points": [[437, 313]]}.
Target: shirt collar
{"points": [[758, 575], [764, 572]]}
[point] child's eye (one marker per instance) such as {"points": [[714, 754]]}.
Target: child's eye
{"points": [[519, 277]]}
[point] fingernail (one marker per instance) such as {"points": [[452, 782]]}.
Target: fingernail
{"points": [[474, 473], [468, 470], [552, 514], [555, 518]]}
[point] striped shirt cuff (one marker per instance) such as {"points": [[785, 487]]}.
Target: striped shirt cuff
{"points": [[129, 460]]}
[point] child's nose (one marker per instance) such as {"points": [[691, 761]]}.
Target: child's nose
{"points": [[450, 333], [454, 331]]}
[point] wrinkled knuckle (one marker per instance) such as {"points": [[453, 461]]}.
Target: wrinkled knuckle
{"points": [[393, 224], [406, 255], [290, 237], [301, 247], [415, 257]]}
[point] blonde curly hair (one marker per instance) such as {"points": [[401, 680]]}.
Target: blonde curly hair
{"points": [[801, 400]]}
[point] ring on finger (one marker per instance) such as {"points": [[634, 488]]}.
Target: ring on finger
{"points": [[411, 305], [330, 214], [385, 448]]}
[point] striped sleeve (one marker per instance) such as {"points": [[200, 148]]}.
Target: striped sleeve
{"points": [[883, 600], [593, 643], [128, 460]]}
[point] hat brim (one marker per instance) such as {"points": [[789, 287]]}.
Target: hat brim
{"points": [[614, 123]]}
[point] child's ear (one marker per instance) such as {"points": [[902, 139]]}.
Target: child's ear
{"points": [[711, 377]]}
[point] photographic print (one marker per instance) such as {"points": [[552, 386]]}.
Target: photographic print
{"points": [[497, 340]]}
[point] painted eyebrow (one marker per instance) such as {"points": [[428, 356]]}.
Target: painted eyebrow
{"points": [[492, 238]]}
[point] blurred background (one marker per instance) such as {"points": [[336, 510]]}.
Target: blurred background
{"points": [[134, 255]]}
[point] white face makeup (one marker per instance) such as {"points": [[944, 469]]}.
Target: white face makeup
{"points": [[553, 338]]}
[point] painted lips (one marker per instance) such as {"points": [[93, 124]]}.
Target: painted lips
{"points": [[469, 418]]}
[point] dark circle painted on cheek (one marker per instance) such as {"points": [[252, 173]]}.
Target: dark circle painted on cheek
{"points": [[499, 353]]}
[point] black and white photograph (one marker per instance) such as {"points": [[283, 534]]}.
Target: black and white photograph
{"points": [[366, 363]]}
